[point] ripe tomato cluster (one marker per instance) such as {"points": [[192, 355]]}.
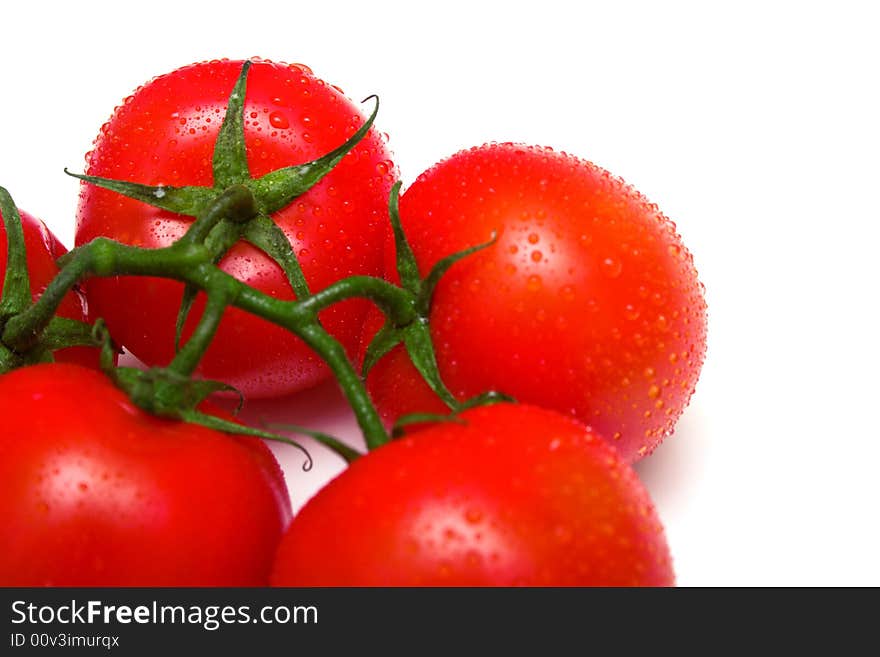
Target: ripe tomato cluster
{"points": [[582, 305]]}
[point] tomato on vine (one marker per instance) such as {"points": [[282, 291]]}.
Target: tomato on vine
{"points": [[96, 492], [587, 302], [42, 250], [506, 495], [165, 135]]}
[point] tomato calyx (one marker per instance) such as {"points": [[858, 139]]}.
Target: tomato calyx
{"points": [[416, 335], [249, 219], [60, 332], [168, 393], [267, 194]]}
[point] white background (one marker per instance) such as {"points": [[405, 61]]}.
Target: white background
{"points": [[754, 126]]}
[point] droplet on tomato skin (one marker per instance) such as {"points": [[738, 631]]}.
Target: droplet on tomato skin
{"points": [[611, 267], [534, 284], [278, 120], [631, 312]]}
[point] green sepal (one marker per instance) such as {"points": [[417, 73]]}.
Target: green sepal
{"points": [[218, 424], [350, 454], [188, 200], [157, 390], [230, 164], [163, 392], [266, 235], [186, 303], [387, 337], [278, 188], [407, 267], [16, 296], [486, 399], [417, 338], [63, 332], [483, 399], [9, 360], [429, 284], [109, 350], [404, 421]]}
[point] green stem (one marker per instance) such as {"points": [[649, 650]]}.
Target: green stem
{"points": [[16, 292], [395, 302], [333, 353], [188, 358], [192, 264]]}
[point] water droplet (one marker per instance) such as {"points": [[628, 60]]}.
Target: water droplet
{"points": [[631, 312], [278, 120], [654, 391], [674, 250], [611, 267], [534, 238], [537, 256], [533, 284], [382, 168]]}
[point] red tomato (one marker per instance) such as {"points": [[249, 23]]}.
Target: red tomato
{"points": [[43, 248], [95, 492], [588, 303], [164, 134], [516, 496]]}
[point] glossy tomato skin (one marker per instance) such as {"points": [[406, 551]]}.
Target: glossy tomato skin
{"points": [[164, 134], [588, 303], [95, 492], [43, 249], [515, 496]]}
